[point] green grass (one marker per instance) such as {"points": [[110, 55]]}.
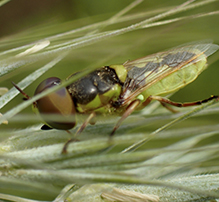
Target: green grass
{"points": [[171, 156]]}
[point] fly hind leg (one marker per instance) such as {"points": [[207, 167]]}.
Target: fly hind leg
{"points": [[166, 102]]}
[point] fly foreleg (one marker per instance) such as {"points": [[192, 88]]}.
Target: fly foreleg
{"points": [[83, 126]]}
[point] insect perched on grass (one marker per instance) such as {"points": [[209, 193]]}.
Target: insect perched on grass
{"points": [[121, 89]]}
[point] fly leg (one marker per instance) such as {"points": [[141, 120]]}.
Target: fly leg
{"points": [[83, 126], [128, 111], [168, 107], [165, 101]]}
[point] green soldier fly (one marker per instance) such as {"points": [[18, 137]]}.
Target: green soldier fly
{"points": [[122, 89]]}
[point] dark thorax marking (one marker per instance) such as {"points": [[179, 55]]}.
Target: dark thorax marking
{"points": [[97, 82]]}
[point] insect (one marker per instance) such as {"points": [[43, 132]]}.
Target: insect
{"points": [[122, 89]]}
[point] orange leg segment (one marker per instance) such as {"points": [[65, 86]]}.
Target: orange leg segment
{"points": [[165, 101], [128, 111]]}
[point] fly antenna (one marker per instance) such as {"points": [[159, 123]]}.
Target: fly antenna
{"points": [[27, 97]]}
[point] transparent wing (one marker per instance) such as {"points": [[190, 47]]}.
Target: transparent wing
{"points": [[144, 72]]}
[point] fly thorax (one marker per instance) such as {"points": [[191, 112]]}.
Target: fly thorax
{"points": [[95, 90]]}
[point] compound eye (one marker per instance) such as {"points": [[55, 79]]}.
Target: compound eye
{"points": [[57, 108], [47, 83]]}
